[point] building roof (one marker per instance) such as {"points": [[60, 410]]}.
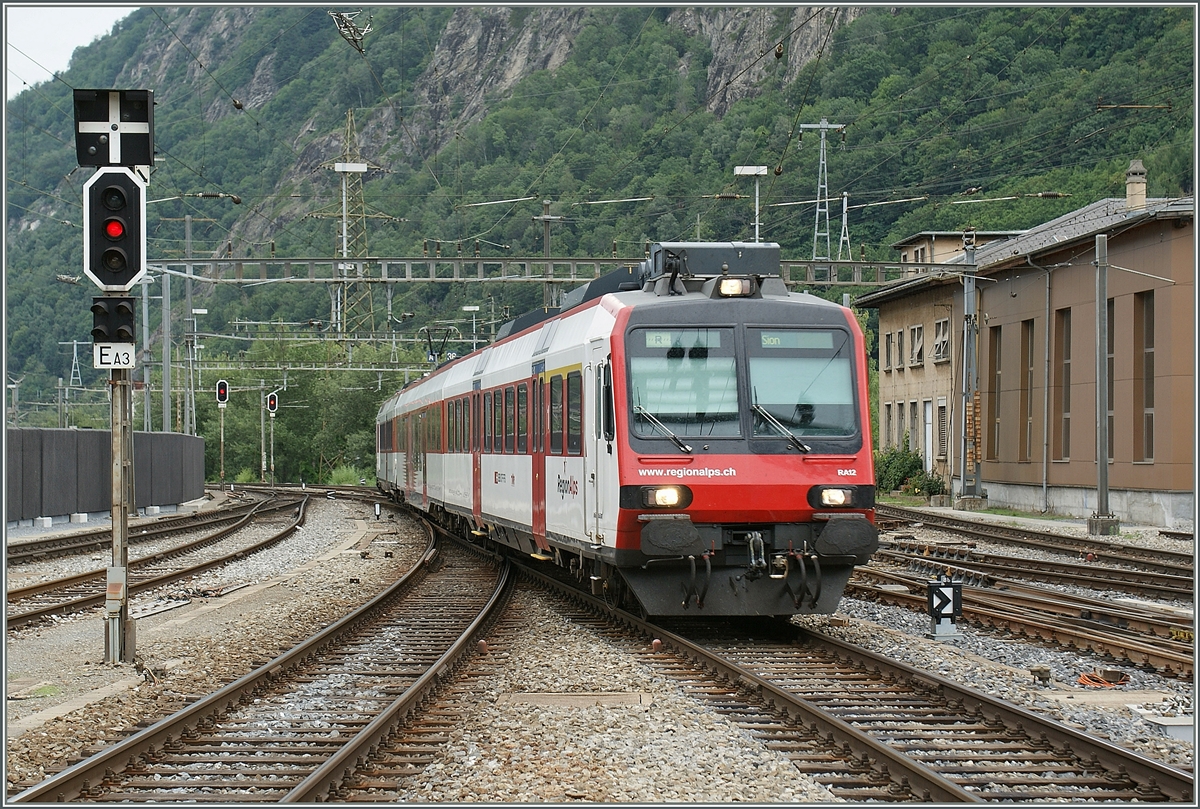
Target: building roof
{"points": [[1105, 216], [924, 235]]}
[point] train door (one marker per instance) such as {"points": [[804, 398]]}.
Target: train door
{"points": [[476, 455], [600, 460], [537, 449], [410, 460], [422, 458]]}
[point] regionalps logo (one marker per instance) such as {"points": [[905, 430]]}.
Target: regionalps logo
{"points": [[568, 486]]}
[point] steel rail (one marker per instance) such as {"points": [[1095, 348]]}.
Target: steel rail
{"points": [[1150, 652], [336, 774], [921, 779], [76, 781], [86, 602], [1165, 561], [101, 538]]}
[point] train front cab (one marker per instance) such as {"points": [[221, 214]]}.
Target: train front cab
{"points": [[747, 483]]}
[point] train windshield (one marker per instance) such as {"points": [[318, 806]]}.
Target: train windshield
{"points": [[803, 379], [683, 381]]}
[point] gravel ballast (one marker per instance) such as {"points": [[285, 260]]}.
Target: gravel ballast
{"points": [[664, 751]]}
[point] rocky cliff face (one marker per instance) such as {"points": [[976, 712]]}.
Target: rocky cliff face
{"points": [[482, 54]]}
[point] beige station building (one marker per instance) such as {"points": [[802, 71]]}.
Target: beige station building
{"points": [[1033, 426]]}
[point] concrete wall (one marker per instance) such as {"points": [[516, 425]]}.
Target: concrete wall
{"points": [[53, 473]]}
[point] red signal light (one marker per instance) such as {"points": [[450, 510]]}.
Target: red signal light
{"points": [[114, 228]]}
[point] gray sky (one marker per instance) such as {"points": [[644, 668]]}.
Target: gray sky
{"points": [[47, 34]]}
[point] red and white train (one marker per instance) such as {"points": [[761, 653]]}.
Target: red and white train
{"points": [[686, 436]]}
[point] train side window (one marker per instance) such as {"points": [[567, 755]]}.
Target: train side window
{"points": [[466, 424], [497, 420], [487, 422], [477, 432], [456, 435], [556, 415], [535, 418], [509, 419], [606, 410], [574, 413], [454, 417], [522, 419]]}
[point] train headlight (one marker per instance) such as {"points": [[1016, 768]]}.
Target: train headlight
{"points": [[734, 287], [834, 497], [666, 497]]}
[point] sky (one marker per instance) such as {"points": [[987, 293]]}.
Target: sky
{"points": [[47, 34]]}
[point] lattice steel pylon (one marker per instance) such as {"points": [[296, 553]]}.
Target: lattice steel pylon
{"points": [[822, 191], [352, 307]]}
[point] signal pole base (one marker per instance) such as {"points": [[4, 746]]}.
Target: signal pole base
{"points": [[1103, 525]]}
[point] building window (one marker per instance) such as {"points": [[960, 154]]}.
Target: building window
{"points": [[1026, 447], [914, 427], [1062, 385], [887, 351], [916, 345], [887, 425], [900, 350], [943, 438], [1143, 371], [941, 340], [994, 344]]}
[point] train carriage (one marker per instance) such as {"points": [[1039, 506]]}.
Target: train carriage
{"points": [[687, 436]]}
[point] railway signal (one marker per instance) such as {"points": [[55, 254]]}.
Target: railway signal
{"points": [[114, 239], [222, 392], [114, 127], [272, 402], [112, 320]]}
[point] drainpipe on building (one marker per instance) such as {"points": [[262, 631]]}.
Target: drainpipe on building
{"points": [[1045, 391]]}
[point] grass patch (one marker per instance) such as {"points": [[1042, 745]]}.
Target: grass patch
{"points": [[45, 691], [902, 500]]}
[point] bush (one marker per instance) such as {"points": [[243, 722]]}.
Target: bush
{"points": [[895, 466], [349, 476], [926, 484]]}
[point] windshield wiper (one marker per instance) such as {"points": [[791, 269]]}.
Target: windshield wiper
{"points": [[774, 422], [650, 418]]}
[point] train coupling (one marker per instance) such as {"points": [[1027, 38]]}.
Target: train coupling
{"points": [[758, 555]]}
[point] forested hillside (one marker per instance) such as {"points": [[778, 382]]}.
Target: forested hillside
{"points": [[454, 107]]}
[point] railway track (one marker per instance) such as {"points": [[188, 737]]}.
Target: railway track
{"points": [[874, 729], [997, 595], [63, 596], [67, 544], [1172, 563], [995, 751], [1098, 576], [868, 728], [1135, 635], [291, 730]]}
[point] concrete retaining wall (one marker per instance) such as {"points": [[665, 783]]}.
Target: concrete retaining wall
{"points": [[54, 473]]}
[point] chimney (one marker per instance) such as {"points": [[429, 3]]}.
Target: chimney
{"points": [[1135, 186]]}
